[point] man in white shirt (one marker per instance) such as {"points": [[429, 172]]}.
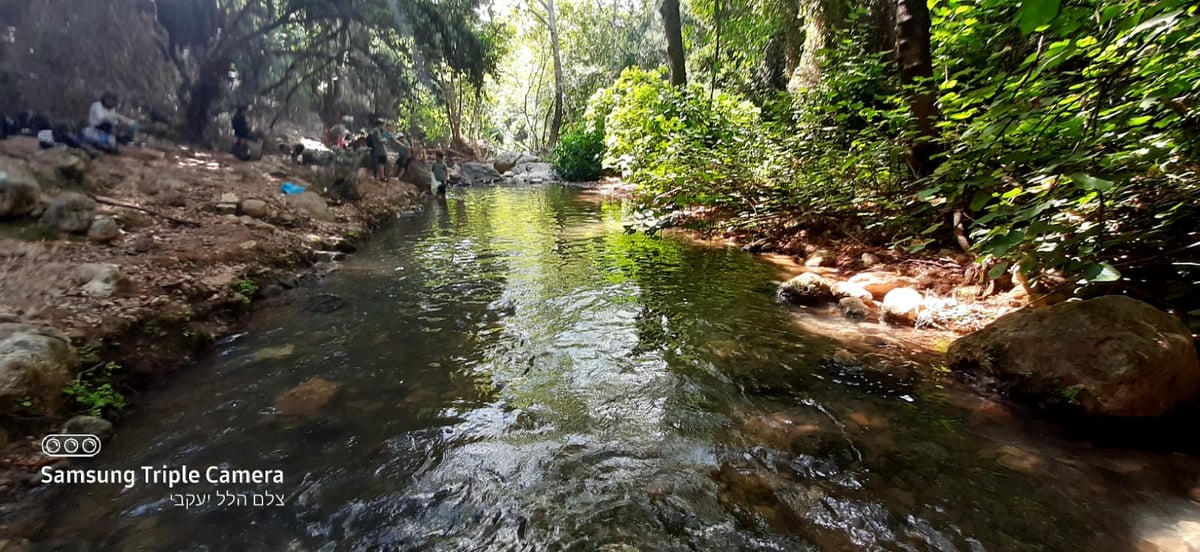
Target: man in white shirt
{"points": [[103, 121]]}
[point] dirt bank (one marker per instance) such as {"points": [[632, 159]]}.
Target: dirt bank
{"points": [[201, 237]]}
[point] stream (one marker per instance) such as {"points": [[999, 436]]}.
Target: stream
{"points": [[520, 373]]}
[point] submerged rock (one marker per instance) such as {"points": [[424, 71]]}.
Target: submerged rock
{"points": [[35, 364], [1111, 356], [307, 398], [807, 289]]}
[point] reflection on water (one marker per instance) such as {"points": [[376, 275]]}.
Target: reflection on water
{"points": [[519, 374]]}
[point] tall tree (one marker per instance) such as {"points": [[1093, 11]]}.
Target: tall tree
{"points": [[916, 73], [676, 56], [552, 26]]}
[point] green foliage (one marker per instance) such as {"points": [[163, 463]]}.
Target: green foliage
{"points": [[92, 390], [578, 155], [246, 287]]}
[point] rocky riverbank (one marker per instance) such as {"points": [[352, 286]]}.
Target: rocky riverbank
{"points": [[116, 269]]}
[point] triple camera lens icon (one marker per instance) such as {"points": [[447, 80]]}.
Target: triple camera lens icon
{"points": [[71, 445]]}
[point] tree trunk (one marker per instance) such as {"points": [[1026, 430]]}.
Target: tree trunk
{"points": [[676, 57], [205, 92], [916, 71], [556, 122], [821, 19]]}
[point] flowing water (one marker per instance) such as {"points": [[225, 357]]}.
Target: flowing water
{"points": [[518, 373]]}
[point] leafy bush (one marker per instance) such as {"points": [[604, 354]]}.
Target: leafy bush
{"points": [[92, 390], [579, 153]]}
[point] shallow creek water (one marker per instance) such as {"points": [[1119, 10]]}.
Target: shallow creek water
{"points": [[521, 374]]}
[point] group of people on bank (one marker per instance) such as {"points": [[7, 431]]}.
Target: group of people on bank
{"points": [[107, 130]]}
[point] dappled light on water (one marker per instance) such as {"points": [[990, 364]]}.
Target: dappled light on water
{"points": [[518, 372]]}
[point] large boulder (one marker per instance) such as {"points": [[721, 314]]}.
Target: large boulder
{"points": [[35, 365], [507, 160], [70, 212], [418, 174], [59, 167], [19, 191], [1111, 356], [475, 174], [533, 173]]}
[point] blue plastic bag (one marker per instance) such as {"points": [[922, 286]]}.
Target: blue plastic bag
{"points": [[290, 188]]}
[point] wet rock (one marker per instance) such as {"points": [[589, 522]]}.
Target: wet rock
{"points": [[35, 364], [275, 353], [903, 306], [256, 208], [104, 229], [476, 174], [16, 545], [311, 204], [19, 192], [272, 290], [846, 289], [821, 257], [781, 430], [1109, 356], [308, 398], [869, 260], [880, 283], [343, 245], [324, 303], [807, 289], [757, 246], [90, 425], [70, 212], [853, 308], [101, 280], [330, 256]]}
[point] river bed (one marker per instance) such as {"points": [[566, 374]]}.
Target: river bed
{"points": [[517, 372]]}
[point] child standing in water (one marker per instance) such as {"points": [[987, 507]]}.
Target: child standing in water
{"points": [[439, 170]]}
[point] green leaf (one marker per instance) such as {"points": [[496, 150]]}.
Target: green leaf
{"points": [[1089, 182], [998, 270], [1035, 13], [1102, 272]]}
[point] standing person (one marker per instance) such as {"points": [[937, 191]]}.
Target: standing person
{"points": [[439, 170], [375, 141], [241, 133], [403, 155], [103, 123]]}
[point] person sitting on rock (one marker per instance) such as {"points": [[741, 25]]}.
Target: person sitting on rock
{"points": [[103, 124]]}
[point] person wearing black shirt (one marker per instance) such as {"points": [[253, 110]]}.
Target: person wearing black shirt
{"points": [[241, 133]]}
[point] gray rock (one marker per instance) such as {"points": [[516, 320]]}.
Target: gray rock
{"points": [[1111, 356], [475, 174], [59, 167], [35, 364], [853, 308], [70, 212], [807, 289], [101, 280], [507, 160], [311, 204], [256, 208], [90, 425], [532, 173], [19, 192], [104, 229]]}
